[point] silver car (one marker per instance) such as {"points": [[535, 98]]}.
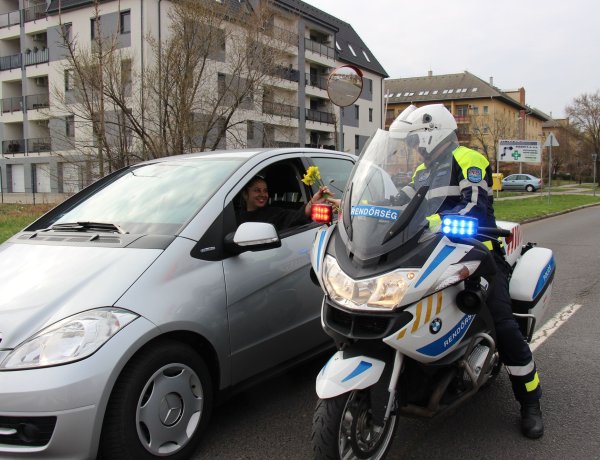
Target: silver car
{"points": [[126, 310], [525, 182]]}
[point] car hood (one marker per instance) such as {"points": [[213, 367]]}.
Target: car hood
{"points": [[42, 284]]}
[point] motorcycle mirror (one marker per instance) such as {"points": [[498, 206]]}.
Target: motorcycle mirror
{"points": [[344, 85]]}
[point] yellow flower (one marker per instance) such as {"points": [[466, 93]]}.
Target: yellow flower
{"points": [[312, 176]]}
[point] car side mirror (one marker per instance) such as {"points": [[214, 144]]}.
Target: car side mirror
{"points": [[252, 236]]}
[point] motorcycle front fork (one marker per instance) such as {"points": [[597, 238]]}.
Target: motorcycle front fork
{"points": [[398, 361]]}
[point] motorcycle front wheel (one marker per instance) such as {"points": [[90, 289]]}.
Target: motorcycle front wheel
{"points": [[343, 429]]}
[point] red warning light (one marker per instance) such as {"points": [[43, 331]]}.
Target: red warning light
{"points": [[321, 213]]}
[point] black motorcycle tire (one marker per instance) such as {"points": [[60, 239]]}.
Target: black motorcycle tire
{"points": [[336, 424]]}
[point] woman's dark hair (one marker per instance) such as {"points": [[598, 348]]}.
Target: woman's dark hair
{"points": [[253, 181]]}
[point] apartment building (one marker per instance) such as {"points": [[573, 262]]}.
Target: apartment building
{"points": [[484, 113], [295, 109]]}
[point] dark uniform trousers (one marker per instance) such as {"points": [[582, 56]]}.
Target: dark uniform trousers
{"points": [[514, 350]]}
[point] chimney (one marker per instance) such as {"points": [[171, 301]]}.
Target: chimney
{"points": [[492, 81], [522, 96], [430, 73]]}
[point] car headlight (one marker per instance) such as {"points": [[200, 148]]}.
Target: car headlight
{"points": [[71, 339], [381, 292]]}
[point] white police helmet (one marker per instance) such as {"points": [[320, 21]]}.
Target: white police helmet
{"points": [[424, 127]]}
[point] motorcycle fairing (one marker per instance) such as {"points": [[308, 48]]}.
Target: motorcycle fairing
{"points": [[341, 375], [317, 252], [436, 329]]}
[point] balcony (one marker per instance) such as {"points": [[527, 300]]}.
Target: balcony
{"points": [[12, 104], [282, 110], [13, 146], [287, 36], [34, 145], [11, 62], [39, 144], [36, 56], [318, 81], [319, 116], [32, 57], [10, 19], [287, 73], [319, 48], [462, 119], [37, 101], [35, 12]]}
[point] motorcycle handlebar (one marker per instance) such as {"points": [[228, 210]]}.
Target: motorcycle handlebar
{"points": [[492, 231]]}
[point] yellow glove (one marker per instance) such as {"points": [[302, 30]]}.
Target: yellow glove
{"points": [[435, 222]]}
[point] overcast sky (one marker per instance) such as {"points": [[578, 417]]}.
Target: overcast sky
{"points": [[551, 47]]}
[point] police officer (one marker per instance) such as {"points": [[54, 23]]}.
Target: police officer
{"points": [[432, 130]]}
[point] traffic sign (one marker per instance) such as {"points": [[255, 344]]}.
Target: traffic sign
{"points": [[551, 141], [519, 151]]}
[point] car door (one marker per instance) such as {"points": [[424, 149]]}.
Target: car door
{"points": [[510, 182], [272, 306]]}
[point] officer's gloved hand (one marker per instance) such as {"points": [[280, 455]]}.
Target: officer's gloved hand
{"points": [[434, 221]]}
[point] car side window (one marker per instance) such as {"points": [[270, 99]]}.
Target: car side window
{"points": [[288, 197]]}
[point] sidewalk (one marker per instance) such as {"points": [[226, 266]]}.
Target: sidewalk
{"points": [[570, 189]]}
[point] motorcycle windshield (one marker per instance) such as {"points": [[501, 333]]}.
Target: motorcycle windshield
{"points": [[390, 195]]}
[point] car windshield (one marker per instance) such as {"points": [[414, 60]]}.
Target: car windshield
{"points": [[155, 198]]}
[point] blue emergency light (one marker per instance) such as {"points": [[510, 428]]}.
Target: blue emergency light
{"points": [[459, 226]]}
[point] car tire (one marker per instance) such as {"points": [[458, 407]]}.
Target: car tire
{"points": [[530, 188], [159, 406]]}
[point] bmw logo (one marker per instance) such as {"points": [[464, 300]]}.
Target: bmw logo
{"points": [[435, 326]]}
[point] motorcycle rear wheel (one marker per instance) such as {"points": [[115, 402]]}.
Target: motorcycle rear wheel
{"points": [[343, 429]]}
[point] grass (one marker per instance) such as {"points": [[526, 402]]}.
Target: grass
{"points": [[538, 206], [14, 217]]}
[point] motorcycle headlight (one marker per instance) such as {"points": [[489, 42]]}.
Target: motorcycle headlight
{"points": [[454, 274], [381, 292], [71, 339]]}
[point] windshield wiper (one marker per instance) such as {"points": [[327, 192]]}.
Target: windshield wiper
{"points": [[84, 226]]}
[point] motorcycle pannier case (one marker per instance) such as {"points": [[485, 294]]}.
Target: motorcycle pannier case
{"points": [[531, 285]]}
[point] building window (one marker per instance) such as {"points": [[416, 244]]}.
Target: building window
{"points": [[93, 28], [70, 126], [250, 128], [370, 114], [485, 109], [356, 112], [67, 32], [462, 110], [351, 50], [125, 22], [69, 80], [475, 109], [356, 142], [221, 84], [126, 76]]}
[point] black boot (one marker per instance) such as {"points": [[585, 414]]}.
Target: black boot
{"points": [[532, 424]]}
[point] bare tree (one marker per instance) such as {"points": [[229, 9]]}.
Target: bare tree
{"points": [[584, 115], [204, 81], [488, 129]]}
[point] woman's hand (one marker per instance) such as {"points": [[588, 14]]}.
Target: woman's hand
{"points": [[322, 196]]}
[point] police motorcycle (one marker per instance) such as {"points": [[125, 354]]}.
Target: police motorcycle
{"points": [[405, 303]]}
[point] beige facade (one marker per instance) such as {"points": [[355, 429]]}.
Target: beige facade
{"points": [[484, 114]]}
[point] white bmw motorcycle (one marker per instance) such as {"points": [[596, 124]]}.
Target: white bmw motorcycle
{"points": [[405, 305]]}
